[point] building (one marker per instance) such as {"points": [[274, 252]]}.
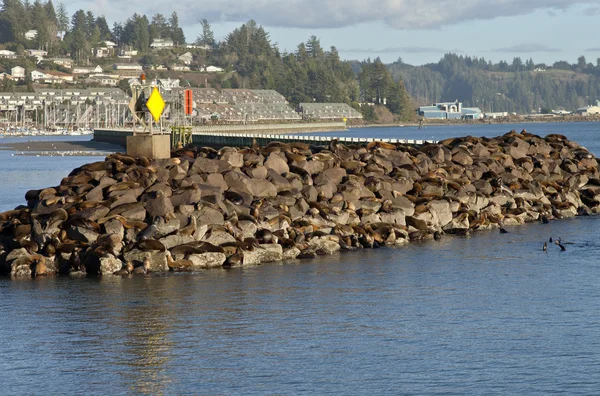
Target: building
{"points": [[450, 111], [17, 72], [64, 62], [5, 76], [161, 43], [176, 67], [110, 44], [36, 53], [102, 79], [37, 75], [186, 58], [213, 69], [31, 34], [127, 54], [167, 83], [588, 110], [327, 111], [59, 76], [86, 70], [6, 54], [128, 67], [102, 52]]}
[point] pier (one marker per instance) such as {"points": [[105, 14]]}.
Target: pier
{"points": [[247, 135]]}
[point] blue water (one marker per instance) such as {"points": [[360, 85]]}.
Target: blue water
{"points": [[491, 314]]}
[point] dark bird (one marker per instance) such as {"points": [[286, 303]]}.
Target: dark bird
{"points": [[503, 230], [550, 240], [545, 220], [562, 248]]}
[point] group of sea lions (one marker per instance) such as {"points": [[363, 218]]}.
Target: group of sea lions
{"points": [[206, 208]]}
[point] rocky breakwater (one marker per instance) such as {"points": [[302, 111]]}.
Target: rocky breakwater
{"points": [[205, 208]]}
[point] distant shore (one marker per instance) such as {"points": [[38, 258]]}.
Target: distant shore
{"points": [[483, 121], [61, 148]]}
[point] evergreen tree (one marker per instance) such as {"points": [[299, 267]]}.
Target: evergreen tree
{"points": [[176, 32], [206, 37]]}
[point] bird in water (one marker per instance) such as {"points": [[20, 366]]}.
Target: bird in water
{"points": [[545, 247], [550, 240], [557, 242], [503, 230]]}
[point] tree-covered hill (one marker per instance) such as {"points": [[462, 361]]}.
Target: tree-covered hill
{"points": [[519, 87]]}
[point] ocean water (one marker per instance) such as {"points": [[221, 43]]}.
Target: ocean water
{"points": [[488, 314]]}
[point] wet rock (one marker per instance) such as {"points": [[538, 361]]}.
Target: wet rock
{"points": [[158, 259], [109, 264]]}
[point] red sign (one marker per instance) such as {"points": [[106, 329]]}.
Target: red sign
{"points": [[188, 102]]}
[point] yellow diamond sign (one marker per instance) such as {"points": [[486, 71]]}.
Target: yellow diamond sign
{"points": [[155, 104]]}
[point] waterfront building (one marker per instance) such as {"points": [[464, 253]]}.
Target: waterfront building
{"points": [[327, 111], [450, 111], [588, 110]]}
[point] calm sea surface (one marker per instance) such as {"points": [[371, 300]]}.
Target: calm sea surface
{"points": [[490, 314]]}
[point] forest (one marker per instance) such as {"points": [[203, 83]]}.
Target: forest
{"points": [[310, 73]]}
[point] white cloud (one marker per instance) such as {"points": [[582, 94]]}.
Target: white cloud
{"points": [[527, 48], [399, 14]]}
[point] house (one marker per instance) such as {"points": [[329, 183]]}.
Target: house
{"points": [[128, 67], [86, 70], [176, 67], [110, 44], [159, 67], [37, 53], [17, 72], [37, 75], [31, 34], [161, 43], [168, 83], [59, 76], [450, 110], [101, 52], [5, 76], [128, 53], [213, 69], [102, 80], [6, 54], [64, 62], [186, 58]]}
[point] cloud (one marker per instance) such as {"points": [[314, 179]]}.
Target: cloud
{"points": [[593, 49], [399, 14], [529, 47], [392, 50]]}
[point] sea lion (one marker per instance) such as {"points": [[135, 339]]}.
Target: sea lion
{"points": [[126, 270], [151, 244], [39, 265], [189, 229], [144, 268], [178, 265]]}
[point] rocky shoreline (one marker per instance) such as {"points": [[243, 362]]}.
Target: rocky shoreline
{"points": [[207, 208]]}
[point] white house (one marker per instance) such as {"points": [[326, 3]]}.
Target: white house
{"points": [[6, 54], [161, 43], [59, 76], [128, 66], [5, 76], [103, 80], [65, 62], [38, 75], [168, 83], [86, 70], [31, 34], [176, 67], [110, 44], [128, 53], [213, 69], [186, 58], [17, 72], [101, 52], [36, 52]]}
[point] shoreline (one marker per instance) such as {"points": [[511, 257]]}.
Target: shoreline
{"points": [[234, 207]]}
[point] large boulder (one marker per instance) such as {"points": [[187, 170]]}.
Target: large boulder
{"points": [[262, 254], [207, 260], [158, 259]]}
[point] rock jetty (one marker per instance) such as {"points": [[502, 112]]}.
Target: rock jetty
{"points": [[207, 208]]}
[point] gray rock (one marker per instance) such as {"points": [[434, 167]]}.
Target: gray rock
{"points": [[176, 240], [82, 234], [207, 260], [158, 259], [324, 245], [164, 228], [208, 216], [186, 196], [159, 206], [263, 254], [109, 264], [205, 165], [218, 237], [277, 163]]}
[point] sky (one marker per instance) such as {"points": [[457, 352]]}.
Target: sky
{"points": [[418, 31]]}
